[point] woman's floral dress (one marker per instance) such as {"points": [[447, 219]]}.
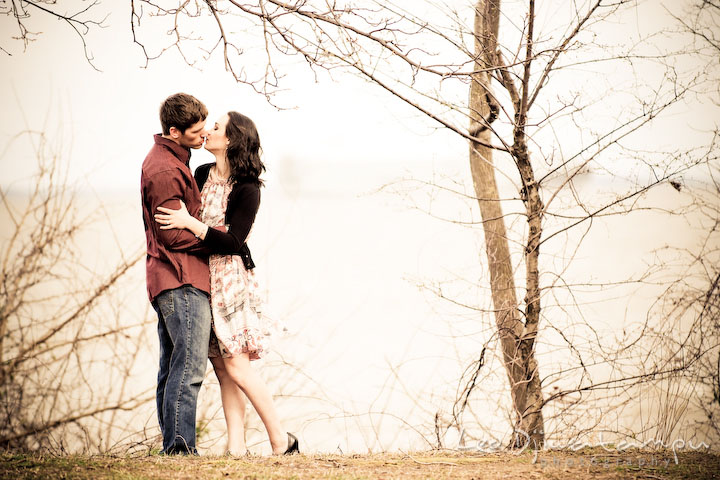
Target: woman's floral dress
{"points": [[234, 294]]}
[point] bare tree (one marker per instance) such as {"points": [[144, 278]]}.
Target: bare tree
{"points": [[22, 16], [426, 57], [64, 367], [695, 297], [500, 76]]}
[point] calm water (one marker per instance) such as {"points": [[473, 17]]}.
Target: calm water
{"points": [[373, 354]]}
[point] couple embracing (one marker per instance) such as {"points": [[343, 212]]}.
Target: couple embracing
{"points": [[200, 272]]}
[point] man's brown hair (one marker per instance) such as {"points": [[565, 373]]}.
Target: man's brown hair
{"points": [[181, 111]]}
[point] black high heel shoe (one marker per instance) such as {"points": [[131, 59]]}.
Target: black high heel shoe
{"points": [[293, 445]]}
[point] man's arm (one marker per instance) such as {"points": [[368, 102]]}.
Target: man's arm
{"points": [[166, 189]]}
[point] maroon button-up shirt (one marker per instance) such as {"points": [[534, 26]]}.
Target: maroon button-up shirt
{"points": [[174, 257]]}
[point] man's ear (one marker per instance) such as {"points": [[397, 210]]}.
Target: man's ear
{"points": [[175, 133]]}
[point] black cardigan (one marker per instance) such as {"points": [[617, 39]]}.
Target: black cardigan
{"points": [[243, 204]]}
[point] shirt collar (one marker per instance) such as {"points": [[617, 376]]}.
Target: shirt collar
{"points": [[182, 153]]}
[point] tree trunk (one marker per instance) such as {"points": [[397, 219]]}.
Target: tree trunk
{"points": [[520, 363]]}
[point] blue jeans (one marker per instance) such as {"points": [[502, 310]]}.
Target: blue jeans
{"points": [[184, 331]]}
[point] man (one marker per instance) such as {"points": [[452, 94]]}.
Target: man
{"points": [[178, 279]]}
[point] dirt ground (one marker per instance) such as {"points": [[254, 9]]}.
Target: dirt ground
{"points": [[587, 464]]}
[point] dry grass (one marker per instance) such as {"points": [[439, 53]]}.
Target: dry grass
{"points": [[587, 464]]}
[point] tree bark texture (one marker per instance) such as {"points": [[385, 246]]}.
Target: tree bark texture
{"points": [[516, 341]]}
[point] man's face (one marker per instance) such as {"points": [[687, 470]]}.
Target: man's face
{"points": [[193, 137]]}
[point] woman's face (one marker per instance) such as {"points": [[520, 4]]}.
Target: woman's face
{"points": [[217, 141]]}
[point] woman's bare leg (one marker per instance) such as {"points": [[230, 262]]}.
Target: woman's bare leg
{"points": [[239, 369], [233, 402]]}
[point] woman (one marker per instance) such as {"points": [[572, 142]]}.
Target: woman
{"points": [[230, 193]]}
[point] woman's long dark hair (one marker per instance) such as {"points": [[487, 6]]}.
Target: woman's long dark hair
{"points": [[243, 151]]}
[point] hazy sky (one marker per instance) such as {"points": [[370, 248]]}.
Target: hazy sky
{"points": [[106, 118]]}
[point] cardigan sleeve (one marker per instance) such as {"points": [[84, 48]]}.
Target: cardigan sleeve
{"points": [[243, 205]]}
